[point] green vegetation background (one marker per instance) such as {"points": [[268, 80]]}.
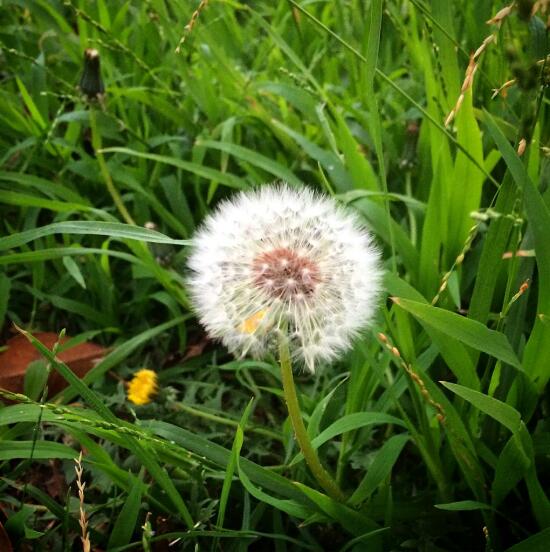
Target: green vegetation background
{"points": [[436, 429]]}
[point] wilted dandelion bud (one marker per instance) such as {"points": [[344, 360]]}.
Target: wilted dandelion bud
{"points": [[91, 84], [284, 260]]}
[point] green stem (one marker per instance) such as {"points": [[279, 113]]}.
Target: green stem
{"points": [[310, 455], [225, 421], [97, 145]]}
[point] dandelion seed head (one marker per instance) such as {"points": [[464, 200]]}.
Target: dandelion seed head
{"points": [[281, 257]]}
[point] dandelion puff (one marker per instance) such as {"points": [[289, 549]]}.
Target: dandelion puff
{"points": [[280, 257]]}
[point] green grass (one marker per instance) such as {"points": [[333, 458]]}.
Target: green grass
{"points": [[436, 430]]}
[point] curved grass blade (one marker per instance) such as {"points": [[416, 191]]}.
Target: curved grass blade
{"points": [[350, 422], [254, 158], [208, 173], [380, 468], [41, 449], [111, 229]]}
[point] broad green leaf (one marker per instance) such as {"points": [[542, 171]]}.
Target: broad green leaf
{"points": [[503, 413], [319, 410], [16, 524], [465, 194], [441, 16], [540, 504], [16, 413], [535, 543], [490, 263], [295, 95], [359, 167], [469, 332], [330, 161], [453, 352], [376, 218], [435, 227], [411, 202]]}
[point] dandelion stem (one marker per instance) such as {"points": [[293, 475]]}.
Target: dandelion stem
{"points": [[310, 455]]}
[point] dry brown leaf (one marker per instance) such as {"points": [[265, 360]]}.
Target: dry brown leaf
{"points": [[14, 361], [5, 543]]}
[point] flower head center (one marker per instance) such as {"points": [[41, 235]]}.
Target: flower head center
{"points": [[285, 274]]}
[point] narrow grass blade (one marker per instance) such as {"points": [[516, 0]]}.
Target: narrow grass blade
{"points": [[256, 159], [350, 422], [380, 468], [111, 229], [230, 470], [463, 506], [354, 522], [123, 528], [5, 288], [200, 170]]}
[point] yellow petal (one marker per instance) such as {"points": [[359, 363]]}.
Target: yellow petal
{"points": [[250, 325]]}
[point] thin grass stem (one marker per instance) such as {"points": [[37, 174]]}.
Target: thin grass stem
{"points": [[97, 144]]}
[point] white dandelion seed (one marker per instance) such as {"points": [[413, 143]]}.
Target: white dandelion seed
{"points": [[279, 258]]}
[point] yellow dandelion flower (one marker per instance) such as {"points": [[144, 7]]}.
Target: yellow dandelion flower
{"points": [[142, 386]]}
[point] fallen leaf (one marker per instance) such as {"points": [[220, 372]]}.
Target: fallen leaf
{"points": [[5, 543], [196, 349], [20, 353]]}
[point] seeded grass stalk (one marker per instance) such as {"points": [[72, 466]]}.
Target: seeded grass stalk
{"points": [[291, 398], [97, 143]]}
